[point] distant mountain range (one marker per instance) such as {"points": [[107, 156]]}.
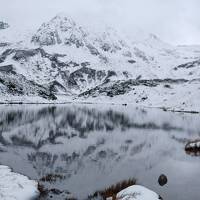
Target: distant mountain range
{"points": [[64, 61]]}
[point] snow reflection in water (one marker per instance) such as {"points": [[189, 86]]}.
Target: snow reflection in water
{"points": [[81, 149]]}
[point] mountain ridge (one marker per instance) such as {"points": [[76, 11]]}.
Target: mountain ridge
{"points": [[66, 58]]}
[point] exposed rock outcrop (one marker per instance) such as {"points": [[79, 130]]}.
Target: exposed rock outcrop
{"points": [[3, 25]]}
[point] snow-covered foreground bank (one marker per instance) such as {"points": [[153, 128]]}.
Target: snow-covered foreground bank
{"points": [[15, 186], [137, 192]]}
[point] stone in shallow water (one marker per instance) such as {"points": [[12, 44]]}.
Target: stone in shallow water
{"points": [[15, 186], [137, 192], [193, 148], [193, 145], [162, 180]]}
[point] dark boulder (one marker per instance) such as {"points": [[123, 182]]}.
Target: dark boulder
{"points": [[131, 61], [162, 180]]}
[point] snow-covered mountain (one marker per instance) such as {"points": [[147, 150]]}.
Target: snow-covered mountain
{"points": [[64, 60]]}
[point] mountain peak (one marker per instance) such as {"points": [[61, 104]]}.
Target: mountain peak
{"points": [[63, 18], [52, 32]]}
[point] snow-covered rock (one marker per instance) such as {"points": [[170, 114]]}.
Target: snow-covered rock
{"points": [[15, 186], [193, 146], [137, 192]]}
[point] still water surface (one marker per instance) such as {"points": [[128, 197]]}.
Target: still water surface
{"points": [[90, 147]]}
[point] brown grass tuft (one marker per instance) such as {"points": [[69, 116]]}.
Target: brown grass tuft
{"points": [[112, 190]]}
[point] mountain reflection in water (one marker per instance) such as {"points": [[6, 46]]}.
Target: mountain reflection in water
{"points": [[82, 149]]}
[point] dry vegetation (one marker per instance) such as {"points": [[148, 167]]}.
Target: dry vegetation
{"points": [[112, 190]]}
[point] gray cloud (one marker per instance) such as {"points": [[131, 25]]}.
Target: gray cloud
{"points": [[175, 21]]}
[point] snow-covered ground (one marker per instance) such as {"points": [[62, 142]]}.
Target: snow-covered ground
{"points": [[180, 97], [183, 98], [15, 186]]}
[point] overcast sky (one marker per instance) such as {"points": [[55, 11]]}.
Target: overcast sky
{"points": [[175, 21]]}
